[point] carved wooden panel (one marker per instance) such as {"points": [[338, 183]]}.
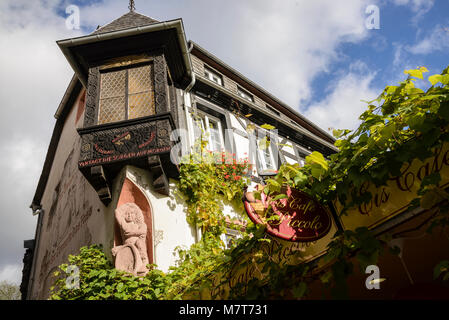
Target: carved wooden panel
{"points": [[160, 84], [93, 86], [120, 144]]}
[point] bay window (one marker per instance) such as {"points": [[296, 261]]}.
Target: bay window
{"points": [[126, 93]]}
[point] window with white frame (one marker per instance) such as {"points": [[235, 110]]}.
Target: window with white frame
{"points": [[209, 129], [213, 76], [265, 154], [272, 110], [245, 94]]}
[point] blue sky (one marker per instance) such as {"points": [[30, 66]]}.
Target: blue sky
{"points": [[400, 30], [317, 56]]}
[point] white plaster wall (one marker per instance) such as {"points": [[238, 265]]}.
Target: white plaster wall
{"points": [[170, 228]]}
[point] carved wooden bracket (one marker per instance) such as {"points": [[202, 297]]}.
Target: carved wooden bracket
{"points": [[100, 183], [160, 180]]}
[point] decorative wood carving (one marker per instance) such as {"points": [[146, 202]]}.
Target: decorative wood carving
{"points": [[100, 183], [160, 84], [93, 87], [123, 143], [120, 142], [160, 180]]}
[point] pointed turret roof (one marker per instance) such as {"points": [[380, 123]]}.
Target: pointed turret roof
{"points": [[131, 19]]}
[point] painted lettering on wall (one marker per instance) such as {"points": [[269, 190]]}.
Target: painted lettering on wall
{"points": [[123, 156], [392, 199]]}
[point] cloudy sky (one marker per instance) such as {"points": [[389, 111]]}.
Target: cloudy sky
{"points": [[317, 56]]}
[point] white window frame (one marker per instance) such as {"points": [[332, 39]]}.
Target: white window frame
{"points": [[262, 159], [245, 95], [213, 76], [208, 117]]}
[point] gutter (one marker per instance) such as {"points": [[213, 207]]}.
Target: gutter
{"points": [[177, 24], [192, 74]]}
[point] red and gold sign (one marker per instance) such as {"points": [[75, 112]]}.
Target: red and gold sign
{"points": [[299, 217]]}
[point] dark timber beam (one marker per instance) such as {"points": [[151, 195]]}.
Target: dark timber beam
{"points": [[160, 180], [100, 184]]}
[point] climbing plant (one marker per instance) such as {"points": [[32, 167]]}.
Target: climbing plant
{"points": [[402, 124], [206, 179]]}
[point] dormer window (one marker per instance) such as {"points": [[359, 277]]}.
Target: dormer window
{"points": [[126, 93], [213, 76], [245, 94]]}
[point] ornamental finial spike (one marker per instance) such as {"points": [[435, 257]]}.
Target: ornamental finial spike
{"points": [[132, 6]]}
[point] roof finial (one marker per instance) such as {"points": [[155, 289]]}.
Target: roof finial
{"points": [[132, 6]]}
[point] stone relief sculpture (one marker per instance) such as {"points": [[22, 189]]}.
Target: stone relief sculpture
{"points": [[132, 255]]}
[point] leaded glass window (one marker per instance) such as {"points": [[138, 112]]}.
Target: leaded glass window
{"points": [[126, 94]]}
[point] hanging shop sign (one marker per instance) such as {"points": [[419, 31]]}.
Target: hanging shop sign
{"points": [[394, 198], [298, 218]]}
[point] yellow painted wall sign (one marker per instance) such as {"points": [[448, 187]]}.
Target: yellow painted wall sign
{"points": [[394, 198]]}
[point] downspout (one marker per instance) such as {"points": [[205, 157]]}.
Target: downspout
{"points": [[37, 209], [192, 83], [186, 97]]}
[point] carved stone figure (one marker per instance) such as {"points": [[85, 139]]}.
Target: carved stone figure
{"points": [[132, 255]]}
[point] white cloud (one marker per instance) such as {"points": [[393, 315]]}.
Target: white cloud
{"points": [[436, 40], [11, 273], [33, 78], [341, 108], [419, 7], [281, 45], [286, 46]]}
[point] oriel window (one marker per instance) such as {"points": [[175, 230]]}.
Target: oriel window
{"points": [[126, 94]]}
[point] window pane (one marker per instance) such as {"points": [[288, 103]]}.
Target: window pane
{"points": [[140, 92], [213, 76], [112, 97], [111, 110], [267, 156], [113, 84], [139, 79], [140, 105], [200, 128], [214, 136], [245, 94]]}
